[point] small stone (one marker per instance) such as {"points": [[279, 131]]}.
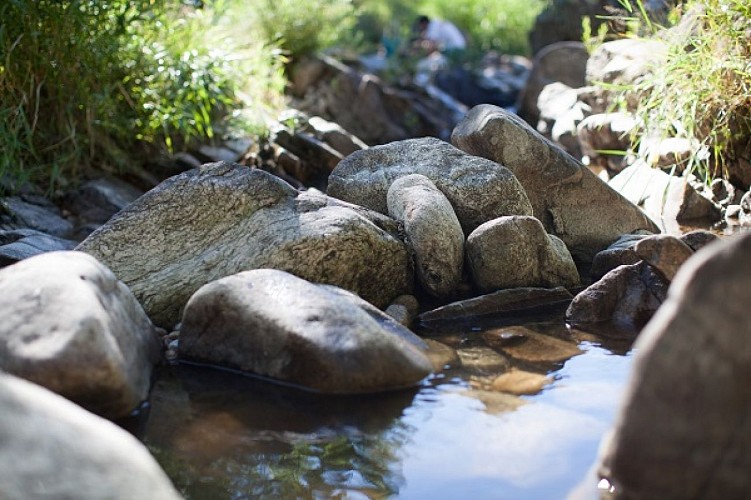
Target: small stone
{"points": [[663, 252], [521, 382], [536, 347]]}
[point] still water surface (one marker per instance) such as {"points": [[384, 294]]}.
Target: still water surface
{"points": [[220, 435]]}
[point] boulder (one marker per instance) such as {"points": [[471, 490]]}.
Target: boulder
{"points": [[603, 134], [33, 212], [478, 189], [570, 201], [223, 218], [560, 113], [364, 105], [319, 337], [664, 253], [683, 429], [432, 230], [621, 63], [515, 251], [71, 326], [627, 297], [53, 448], [698, 239], [564, 62], [19, 244], [620, 253], [99, 199], [664, 197]]}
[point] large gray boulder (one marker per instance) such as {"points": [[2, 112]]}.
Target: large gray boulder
{"points": [[319, 337], [68, 324], [683, 429], [515, 251], [478, 189], [432, 230], [54, 449], [570, 201], [71, 326], [223, 218]]}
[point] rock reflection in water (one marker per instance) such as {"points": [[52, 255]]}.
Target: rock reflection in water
{"points": [[221, 435]]}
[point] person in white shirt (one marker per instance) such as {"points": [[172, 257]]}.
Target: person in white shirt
{"points": [[440, 35]]}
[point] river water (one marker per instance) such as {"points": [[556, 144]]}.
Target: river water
{"points": [[220, 435]]}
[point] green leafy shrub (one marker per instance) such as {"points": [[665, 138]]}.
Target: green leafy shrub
{"points": [[87, 82], [703, 91]]}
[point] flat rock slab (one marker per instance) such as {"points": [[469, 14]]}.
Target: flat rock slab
{"points": [[52, 448], [224, 218], [318, 337], [570, 201], [508, 301], [71, 326], [478, 189]]}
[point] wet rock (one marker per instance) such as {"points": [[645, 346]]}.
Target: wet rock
{"points": [[663, 252], [20, 244], [515, 251], [482, 359], [53, 448], [441, 356], [682, 430], [536, 347], [698, 239], [478, 189], [663, 197], [71, 326], [563, 62], [96, 201], [319, 337], [520, 382], [223, 218], [627, 296], [404, 309], [432, 230], [512, 300], [33, 212], [570, 201], [606, 132], [620, 253]]}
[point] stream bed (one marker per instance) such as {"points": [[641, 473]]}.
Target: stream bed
{"points": [[220, 435]]}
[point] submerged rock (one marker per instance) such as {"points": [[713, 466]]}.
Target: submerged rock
{"points": [[570, 201], [515, 251], [320, 337], [223, 218], [683, 429], [52, 448], [520, 382], [71, 326], [529, 345], [432, 230], [478, 189]]}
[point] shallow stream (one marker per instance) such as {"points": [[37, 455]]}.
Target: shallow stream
{"points": [[220, 435]]}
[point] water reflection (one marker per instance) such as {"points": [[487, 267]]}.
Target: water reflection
{"points": [[220, 435]]}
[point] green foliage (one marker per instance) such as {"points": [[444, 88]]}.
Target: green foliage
{"points": [[86, 82], [703, 91], [501, 25], [302, 27]]}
